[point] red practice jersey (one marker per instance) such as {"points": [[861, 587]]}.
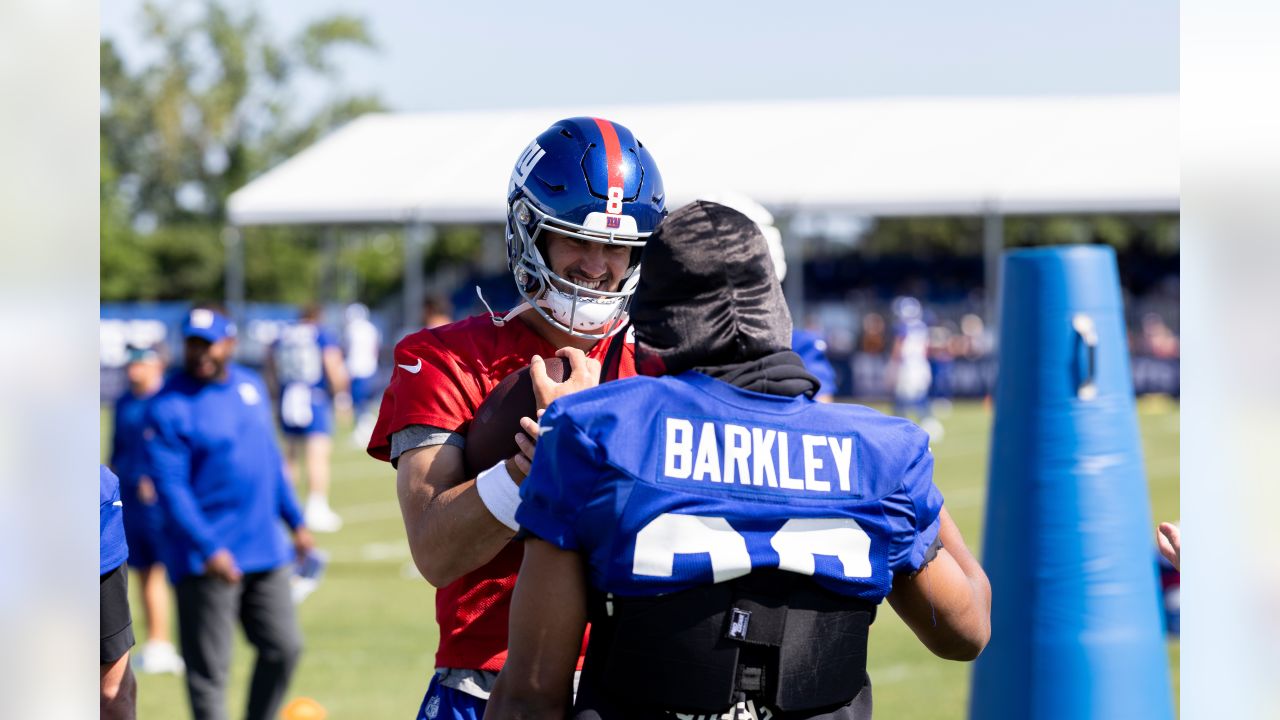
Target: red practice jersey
{"points": [[442, 375]]}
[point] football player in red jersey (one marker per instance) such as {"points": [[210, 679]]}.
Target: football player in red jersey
{"points": [[583, 197]]}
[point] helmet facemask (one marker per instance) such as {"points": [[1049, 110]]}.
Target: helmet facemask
{"points": [[570, 307], [591, 181]]}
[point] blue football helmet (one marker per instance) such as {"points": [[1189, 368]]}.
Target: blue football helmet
{"points": [[589, 179]]}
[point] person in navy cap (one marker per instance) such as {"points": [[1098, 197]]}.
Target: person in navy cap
{"points": [[220, 479], [142, 524]]}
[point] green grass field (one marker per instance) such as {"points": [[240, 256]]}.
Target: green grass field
{"points": [[370, 633]]}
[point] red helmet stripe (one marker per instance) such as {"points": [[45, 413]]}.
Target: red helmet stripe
{"points": [[612, 152]]}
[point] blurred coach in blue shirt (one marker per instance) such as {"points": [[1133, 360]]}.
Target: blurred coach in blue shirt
{"points": [[222, 486]]}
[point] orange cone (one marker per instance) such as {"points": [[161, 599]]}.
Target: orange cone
{"points": [[304, 708]]}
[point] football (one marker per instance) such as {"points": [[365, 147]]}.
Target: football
{"points": [[491, 437]]}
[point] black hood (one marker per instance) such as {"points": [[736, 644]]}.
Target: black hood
{"points": [[708, 295]]}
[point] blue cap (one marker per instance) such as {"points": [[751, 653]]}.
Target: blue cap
{"points": [[208, 325]]}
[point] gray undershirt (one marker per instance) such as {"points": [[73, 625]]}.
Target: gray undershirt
{"points": [[420, 436]]}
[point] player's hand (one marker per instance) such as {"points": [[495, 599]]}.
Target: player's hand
{"points": [[527, 442], [303, 541], [222, 565], [1169, 538], [584, 372]]}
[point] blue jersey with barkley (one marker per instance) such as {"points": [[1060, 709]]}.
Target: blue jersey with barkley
{"points": [[668, 483]]}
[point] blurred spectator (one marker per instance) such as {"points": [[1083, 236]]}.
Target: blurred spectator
{"points": [[873, 340], [362, 342], [117, 689], [436, 311], [978, 340], [221, 482], [306, 371], [941, 361], [1158, 339], [143, 520]]}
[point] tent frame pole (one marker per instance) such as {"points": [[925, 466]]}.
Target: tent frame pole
{"points": [[992, 248], [233, 272], [417, 236]]}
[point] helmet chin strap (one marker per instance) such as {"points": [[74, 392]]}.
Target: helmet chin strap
{"points": [[501, 320], [544, 307]]}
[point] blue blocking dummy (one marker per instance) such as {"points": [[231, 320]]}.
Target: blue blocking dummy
{"points": [[1076, 623]]}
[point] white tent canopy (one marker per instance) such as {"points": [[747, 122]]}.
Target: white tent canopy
{"points": [[875, 157], [904, 156]]}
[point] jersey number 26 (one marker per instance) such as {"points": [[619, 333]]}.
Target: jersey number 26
{"points": [[797, 543]]}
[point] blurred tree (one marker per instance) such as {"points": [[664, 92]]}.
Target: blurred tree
{"points": [[456, 244], [216, 103], [929, 235]]}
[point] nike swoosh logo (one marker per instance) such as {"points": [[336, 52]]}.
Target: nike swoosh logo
{"points": [[118, 503], [412, 368]]}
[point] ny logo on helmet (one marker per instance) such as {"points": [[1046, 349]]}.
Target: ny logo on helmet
{"points": [[530, 157]]}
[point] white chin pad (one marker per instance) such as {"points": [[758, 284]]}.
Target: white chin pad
{"points": [[590, 314]]}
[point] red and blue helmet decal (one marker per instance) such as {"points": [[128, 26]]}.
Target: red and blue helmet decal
{"points": [[583, 165]]}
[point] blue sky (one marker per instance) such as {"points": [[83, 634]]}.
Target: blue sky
{"points": [[448, 56]]}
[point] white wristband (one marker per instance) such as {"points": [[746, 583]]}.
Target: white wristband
{"points": [[500, 494]]}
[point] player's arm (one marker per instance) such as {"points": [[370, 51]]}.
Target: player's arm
{"points": [[335, 370], [269, 375], [451, 532], [548, 617], [287, 506], [1169, 539], [118, 690], [947, 603]]}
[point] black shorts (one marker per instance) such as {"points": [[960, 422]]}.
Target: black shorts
{"points": [[115, 627]]}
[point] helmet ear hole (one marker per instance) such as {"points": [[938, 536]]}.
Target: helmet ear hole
{"points": [[540, 245]]}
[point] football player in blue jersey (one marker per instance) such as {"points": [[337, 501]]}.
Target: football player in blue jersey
{"points": [[729, 539], [306, 371], [909, 374]]}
